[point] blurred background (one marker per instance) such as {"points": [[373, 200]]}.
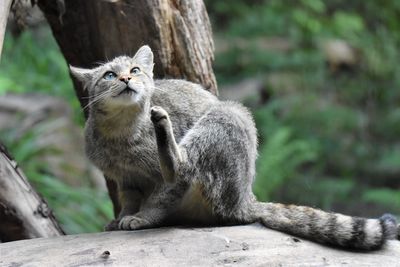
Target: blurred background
{"points": [[321, 78]]}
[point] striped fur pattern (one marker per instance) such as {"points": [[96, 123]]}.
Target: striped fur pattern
{"points": [[181, 156], [330, 228]]}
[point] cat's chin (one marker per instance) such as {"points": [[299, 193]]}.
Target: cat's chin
{"points": [[126, 98], [127, 92]]}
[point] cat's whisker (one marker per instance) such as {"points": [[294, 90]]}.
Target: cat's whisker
{"points": [[93, 100], [92, 96], [100, 95], [91, 104], [96, 99]]}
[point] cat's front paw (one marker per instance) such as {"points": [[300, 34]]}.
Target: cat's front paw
{"points": [[112, 226], [157, 114], [133, 223]]}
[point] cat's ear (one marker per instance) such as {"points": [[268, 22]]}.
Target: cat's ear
{"points": [[82, 75], [144, 57]]}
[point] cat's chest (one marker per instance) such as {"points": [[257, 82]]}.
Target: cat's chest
{"points": [[127, 158]]}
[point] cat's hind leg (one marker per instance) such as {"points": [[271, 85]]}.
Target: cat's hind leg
{"points": [[219, 162], [159, 209]]}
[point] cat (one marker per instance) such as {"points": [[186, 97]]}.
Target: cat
{"points": [[181, 156]]}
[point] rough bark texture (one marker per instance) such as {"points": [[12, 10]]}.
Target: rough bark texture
{"points": [[93, 31], [4, 10], [23, 213], [250, 245], [178, 31]]}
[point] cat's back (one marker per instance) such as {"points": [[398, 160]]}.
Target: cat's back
{"points": [[184, 101], [182, 95]]}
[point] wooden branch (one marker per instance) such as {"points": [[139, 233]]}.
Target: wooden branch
{"points": [[4, 10], [23, 213], [251, 245]]}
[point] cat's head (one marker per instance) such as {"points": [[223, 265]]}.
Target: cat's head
{"points": [[124, 82]]}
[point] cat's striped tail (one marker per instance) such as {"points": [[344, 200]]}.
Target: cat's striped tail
{"points": [[330, 228]]}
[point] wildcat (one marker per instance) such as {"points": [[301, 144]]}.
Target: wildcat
{"points": [[181, 156]]}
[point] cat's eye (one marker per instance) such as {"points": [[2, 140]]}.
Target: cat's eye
{"points": [[109, 75], [135, 70]]}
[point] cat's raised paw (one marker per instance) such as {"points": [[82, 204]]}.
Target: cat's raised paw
{"points": [[157, 113], [133, 223]]}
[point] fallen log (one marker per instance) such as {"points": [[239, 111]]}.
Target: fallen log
{"points": [[23, 213], [250, 245]]}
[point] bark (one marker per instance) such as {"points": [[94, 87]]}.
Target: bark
{"points": [[93, 31], [250, 245], [23, 213], [179, 32], [4, 10]]}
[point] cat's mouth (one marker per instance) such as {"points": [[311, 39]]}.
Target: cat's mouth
{"points": [[127, 91]]}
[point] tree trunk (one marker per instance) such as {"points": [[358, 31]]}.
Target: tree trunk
{"points": [[249, 245], [23, 213], [179, 32], [4, 10], [93, 31]]}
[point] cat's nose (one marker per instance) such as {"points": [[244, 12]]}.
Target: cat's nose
{"points": [[125, 78]]}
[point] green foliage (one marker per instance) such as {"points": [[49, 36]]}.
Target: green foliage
{"points": [[280, 157], [278, 148], [386, 197], [78, 210], [33, 63], [328, 139]]}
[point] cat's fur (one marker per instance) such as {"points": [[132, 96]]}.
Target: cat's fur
{"points": [[181, 156]]}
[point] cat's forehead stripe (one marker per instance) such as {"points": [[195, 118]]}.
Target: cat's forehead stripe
{"points": [[120, 64]]}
